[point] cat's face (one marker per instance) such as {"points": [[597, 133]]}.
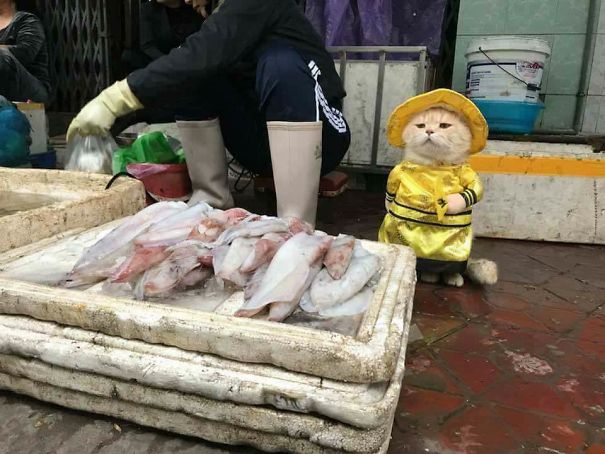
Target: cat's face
{"points": [[436, 137]]}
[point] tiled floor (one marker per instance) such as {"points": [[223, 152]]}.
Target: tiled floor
{"points": [[516, 368], [519, 367]]}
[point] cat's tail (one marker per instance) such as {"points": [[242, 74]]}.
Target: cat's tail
{"points": [[482, 271]]}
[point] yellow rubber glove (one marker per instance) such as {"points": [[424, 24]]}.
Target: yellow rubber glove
{"points": [[99, 115]]}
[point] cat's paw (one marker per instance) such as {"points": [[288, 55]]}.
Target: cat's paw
{"points": [[454, 280], [455, 204], [482, 271], [429, 278]]}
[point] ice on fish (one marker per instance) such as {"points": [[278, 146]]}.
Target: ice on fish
{"points": [[175, 228], [98, 260], [229, 267], [339, 256], [327, 292], [252, 227], [264, 250], [288, 274], [141, 260]]}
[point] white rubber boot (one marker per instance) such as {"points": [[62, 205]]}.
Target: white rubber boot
{"points": [[207, 162], [296, 162]]}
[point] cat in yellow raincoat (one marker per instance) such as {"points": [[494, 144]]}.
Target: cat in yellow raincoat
{"points": [[430, 195]]}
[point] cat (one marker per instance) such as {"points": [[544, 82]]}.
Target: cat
{"points": [[439, 139]]}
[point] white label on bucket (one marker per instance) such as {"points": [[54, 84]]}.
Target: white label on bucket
{"points": [[530, 72], [501, 82]]}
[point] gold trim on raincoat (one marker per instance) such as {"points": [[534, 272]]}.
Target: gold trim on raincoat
{"points": [[416, 210]]}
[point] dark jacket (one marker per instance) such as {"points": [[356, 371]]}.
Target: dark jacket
{"points": [[162, 28], [25, 38], [226, 45]]}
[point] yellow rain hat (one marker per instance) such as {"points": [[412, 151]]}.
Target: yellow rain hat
{"points": [[442, 96]]}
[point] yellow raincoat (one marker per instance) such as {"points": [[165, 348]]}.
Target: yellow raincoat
{"points": [[416, 194], [416, 214]]}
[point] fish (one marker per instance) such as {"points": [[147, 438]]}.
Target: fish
{"points": [[163, 277], [228, 267], [206, 260], [218, 257], [209, 229], [281, 310], [327, 292], [141, 260], [255, 281], [252, 227], [195, 277], [297, 225], [99, 260], [287, 277], [339, 256], [263, 251], [236, 215], [356, 305], [175, 228], [306, 304]]}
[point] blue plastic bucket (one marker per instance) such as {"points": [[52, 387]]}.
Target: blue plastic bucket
{"points": [[510, 116], [46, 160]]}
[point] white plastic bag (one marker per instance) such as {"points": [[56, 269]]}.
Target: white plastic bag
{"points": [[91, 154]]}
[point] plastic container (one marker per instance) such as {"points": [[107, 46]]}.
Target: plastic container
{"points": [[506, 68], [510, 116], [46, 160], [163, 181]]}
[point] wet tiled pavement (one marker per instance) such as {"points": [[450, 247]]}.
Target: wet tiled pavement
{"points": [[515, 368], [519, 367]]}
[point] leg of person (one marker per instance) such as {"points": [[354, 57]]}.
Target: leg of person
{"points": [[206, 161], [218, 114], [299, 120], [240, 128], [16, 83]]}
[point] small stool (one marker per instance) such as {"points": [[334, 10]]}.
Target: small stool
{"points": [[331, 186]]}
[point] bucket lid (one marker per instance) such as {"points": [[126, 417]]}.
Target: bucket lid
{"points": [[518, 43]]}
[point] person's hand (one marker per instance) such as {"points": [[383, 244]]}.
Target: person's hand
{"points": [[97, 117], [199, 7], [455, 204]]}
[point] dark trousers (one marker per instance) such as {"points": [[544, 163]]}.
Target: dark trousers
{"points": [[16, 82], [284, 89]]}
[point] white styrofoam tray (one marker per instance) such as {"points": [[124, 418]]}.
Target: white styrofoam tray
{"points": [[167, 388], [368, 357]]}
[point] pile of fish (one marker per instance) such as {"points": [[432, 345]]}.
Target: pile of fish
{"points": [[281, 264]]}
